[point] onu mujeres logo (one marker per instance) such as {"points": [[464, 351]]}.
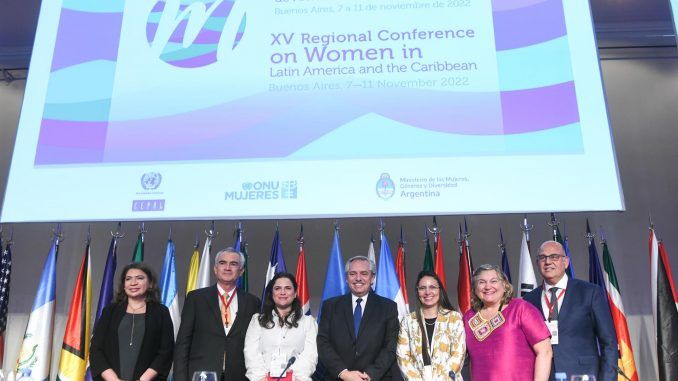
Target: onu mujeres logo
{"points": [[195, 33]]}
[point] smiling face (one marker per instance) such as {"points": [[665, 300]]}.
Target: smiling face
{"points": [[489, 288], [552, 262], [359, 277], [227, 269], [136, 284], [428, 291], [283, 293]]}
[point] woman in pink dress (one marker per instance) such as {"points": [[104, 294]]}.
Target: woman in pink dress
{"points": [[506, 338]]}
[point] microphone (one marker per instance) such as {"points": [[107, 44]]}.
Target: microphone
{"points": [[453, 376], [621, 372], [289, 364]]}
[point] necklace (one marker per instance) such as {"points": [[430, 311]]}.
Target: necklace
{"points": [[131, 336], [430, 324]]}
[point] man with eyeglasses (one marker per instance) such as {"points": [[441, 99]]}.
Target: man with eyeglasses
{"points": [[578, 315]]}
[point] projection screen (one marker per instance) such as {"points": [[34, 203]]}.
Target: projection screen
{"points": [[186, 109]]}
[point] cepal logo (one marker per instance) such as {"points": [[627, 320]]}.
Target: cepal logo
{"points": [[195, 33]]}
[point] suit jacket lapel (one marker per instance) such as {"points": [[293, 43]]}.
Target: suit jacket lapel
{"points": [[241, 308], [346, 306], [564, 308], [368, 312], [213, 302], [537, 302]]}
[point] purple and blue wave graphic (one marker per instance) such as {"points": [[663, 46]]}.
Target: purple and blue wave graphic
{"points": [[535, 106]]}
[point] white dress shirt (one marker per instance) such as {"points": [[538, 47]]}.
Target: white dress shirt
{"points": [[261, 343], [354, 300], [562, 286]]}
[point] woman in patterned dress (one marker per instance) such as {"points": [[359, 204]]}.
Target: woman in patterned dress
{"points": [[431, 342], [507, 338]]}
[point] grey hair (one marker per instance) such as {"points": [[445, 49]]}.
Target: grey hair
{"points": [[551, 242], [230, 249], [373, 266]]}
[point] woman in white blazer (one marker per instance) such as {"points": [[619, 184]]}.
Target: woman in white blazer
{"points": [[279, 333]]}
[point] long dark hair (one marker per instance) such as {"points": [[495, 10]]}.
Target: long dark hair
{"points": [[152, 293], [266, 316], [443, 302]]}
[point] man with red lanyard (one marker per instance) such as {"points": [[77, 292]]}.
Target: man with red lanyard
{"points": [[214, 322], [578, 316]]}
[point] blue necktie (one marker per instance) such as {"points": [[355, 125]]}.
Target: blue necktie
{"points": [[357, 315]]}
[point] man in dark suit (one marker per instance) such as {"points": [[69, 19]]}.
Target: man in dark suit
{"points": [[358, 331], [214, 322], [578, 315]]}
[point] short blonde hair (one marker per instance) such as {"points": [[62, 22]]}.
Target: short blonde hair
{"points": [[476, 303]]}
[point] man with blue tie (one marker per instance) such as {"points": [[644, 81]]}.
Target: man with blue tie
{"points": [[358, 331], [578, 315]]}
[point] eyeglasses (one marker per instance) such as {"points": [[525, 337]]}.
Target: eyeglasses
{"points": [[551, 258], [429, 288]]}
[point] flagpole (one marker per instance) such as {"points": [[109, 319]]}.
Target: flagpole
{"points": [[554, 223]]}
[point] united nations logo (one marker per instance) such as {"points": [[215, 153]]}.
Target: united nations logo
{"points": [[151, 180], [385, 186]]}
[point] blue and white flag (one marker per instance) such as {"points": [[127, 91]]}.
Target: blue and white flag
{"points": [[387, 284], [168, 286], [36, 349], [276, 262], [335, 280]]}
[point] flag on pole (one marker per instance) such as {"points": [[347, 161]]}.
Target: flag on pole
{"points": [[626, 362], [168, 286], [276, 262], [400, 268], [595, 271], [36, 349], [558, 237], [75, 348], [504, 257], [566, 246], [204, 271], [438, 259], [302, 281], [241, 246], [106, 290], [5, 280], [428, 256], [527, 279], [192, 282], [245, 277], [664, 310], [372, 255], [464, 279], [387, 284], [335, 280], [107, 286], [138, 255]]}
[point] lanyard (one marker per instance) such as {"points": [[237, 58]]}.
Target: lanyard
{"points": [[548, 302], [226, 305]]}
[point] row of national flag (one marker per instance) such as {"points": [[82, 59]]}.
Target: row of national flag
{"points": [[35, 354]]}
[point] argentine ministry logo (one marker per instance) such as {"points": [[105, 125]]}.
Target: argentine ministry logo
{"points": [[385, 186], [195, 33], [151, 180]]}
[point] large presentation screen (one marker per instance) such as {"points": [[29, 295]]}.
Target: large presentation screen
{"points": [[192, 109]]}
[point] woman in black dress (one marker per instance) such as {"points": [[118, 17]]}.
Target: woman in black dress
{"points": [[134, 338]]}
